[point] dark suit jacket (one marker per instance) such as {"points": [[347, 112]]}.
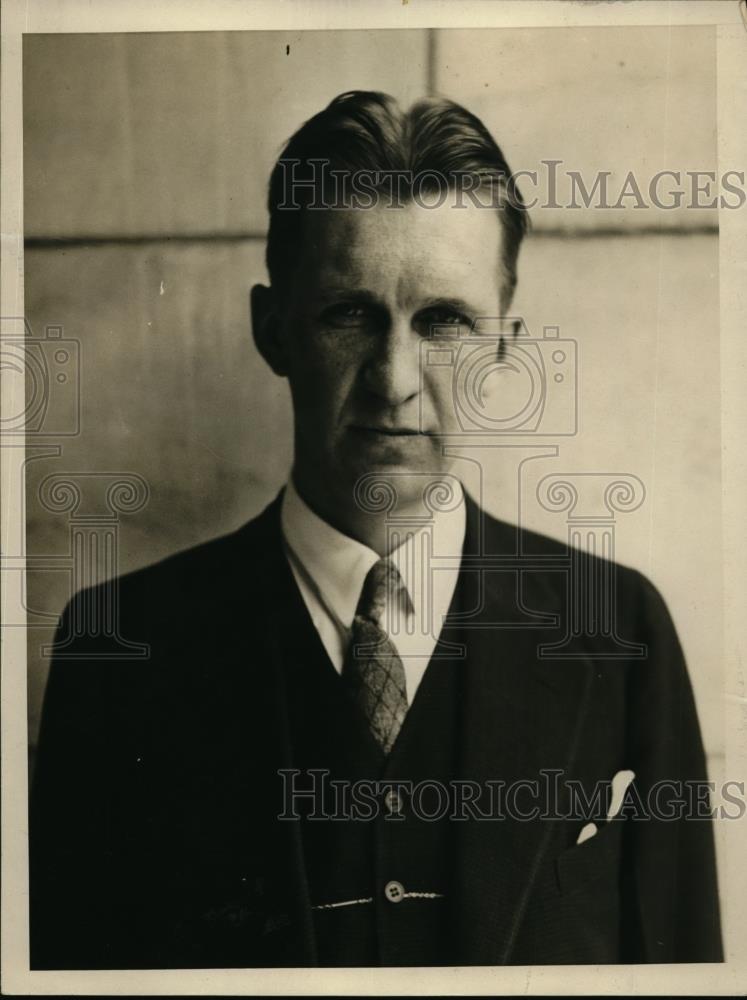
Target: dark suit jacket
{"points": [[154, 833]]}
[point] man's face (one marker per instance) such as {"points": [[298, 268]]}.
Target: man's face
{"points": [[368, 288]]}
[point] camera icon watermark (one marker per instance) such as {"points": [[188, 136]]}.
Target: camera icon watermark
{"points": [[50, 367], [505, 383]]}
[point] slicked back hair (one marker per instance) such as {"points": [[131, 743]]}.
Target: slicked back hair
{"points": [[436, 143]]}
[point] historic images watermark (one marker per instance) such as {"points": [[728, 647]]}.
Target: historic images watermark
{"points": [[47, 415], [315, 796], [503, 380], [316, 185], [50, 367]]}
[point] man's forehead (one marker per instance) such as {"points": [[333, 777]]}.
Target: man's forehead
{"points": [[351, 245]]}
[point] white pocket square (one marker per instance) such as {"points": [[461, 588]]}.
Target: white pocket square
{"points": [[587, 832], [620, 784]]}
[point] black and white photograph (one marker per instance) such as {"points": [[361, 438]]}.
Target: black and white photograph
{"points": [[371, 449]]}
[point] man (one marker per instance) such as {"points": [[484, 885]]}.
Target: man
{"points": [[266, 789]]}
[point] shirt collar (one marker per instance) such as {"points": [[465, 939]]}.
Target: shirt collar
{"points": [[338, 564]]}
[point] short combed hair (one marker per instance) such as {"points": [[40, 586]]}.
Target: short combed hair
{"points": [[368, 132]]}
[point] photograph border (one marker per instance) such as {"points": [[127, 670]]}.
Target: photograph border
{"points": [[729, 21]]}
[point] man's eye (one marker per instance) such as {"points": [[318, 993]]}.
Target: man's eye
{"points": [[444, 316], [345, 314]]}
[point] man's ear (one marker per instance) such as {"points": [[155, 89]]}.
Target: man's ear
{"points": [[266, 329]]}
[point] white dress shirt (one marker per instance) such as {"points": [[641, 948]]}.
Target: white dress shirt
{"points": [[330, 569]]}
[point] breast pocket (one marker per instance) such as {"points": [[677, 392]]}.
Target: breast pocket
{"points": [[593, 865]]}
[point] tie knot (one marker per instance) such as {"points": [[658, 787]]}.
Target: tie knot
{"points": [[382, 583]]}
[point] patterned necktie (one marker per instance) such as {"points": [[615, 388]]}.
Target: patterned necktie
{"points": [[372, 670]]}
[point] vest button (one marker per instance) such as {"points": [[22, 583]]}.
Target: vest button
{"points": [[394, 892], [393, 801]]}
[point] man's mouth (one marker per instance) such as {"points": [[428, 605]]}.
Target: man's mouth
{"points": [[389, 431]]}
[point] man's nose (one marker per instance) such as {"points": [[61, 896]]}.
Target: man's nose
{"points": [[392, 373]]}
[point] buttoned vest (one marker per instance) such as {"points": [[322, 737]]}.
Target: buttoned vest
{"points": [[377, 839]]}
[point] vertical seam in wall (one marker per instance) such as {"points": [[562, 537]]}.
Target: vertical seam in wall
{"points": [[124, 94], [431, 44]]}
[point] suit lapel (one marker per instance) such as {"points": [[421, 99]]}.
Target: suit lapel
{"points": [[289, 929], [520, 716]]}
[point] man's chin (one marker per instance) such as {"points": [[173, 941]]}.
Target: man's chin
{"points": [[401, 471], [396, 490]]}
